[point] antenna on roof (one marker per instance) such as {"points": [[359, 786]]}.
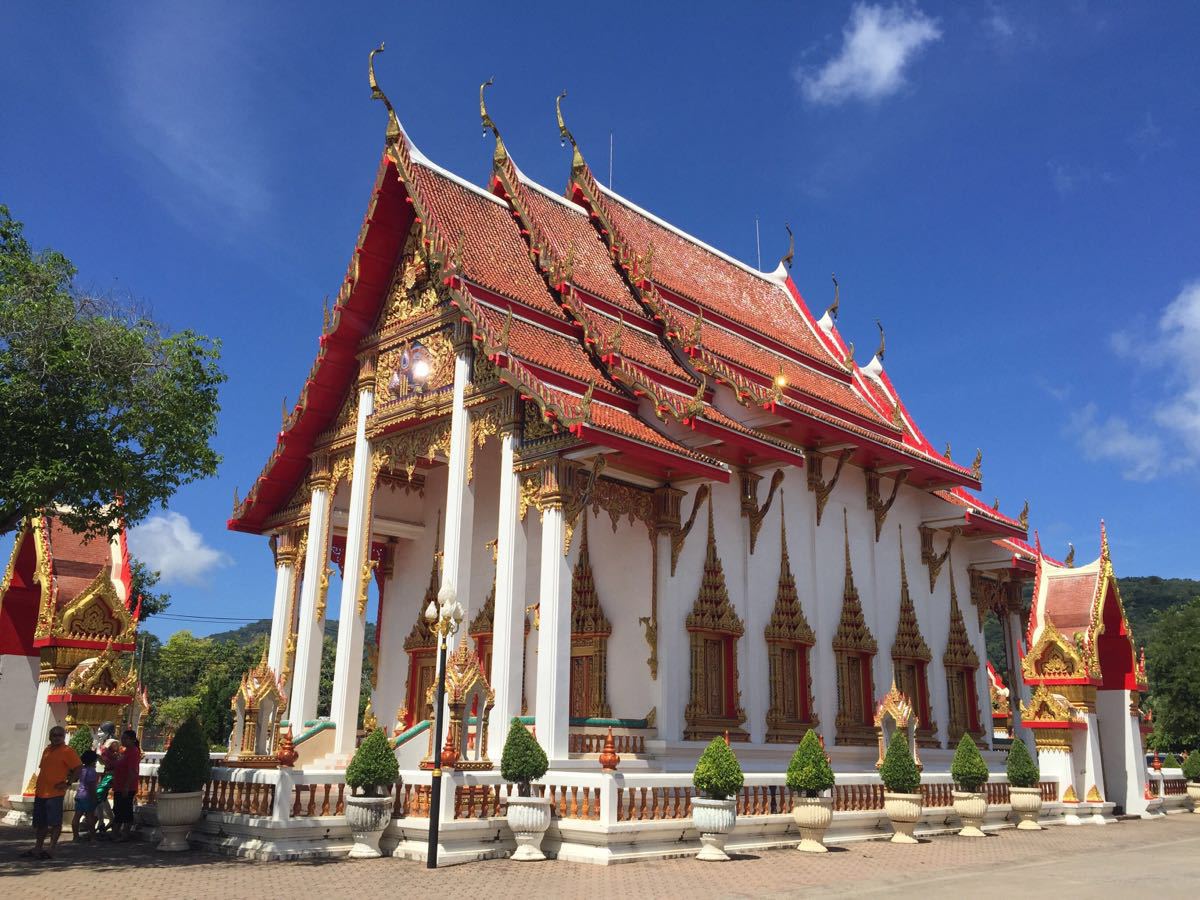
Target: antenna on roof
{"points": [[757, 243], [610, 159]]}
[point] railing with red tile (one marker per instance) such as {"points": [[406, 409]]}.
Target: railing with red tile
{"points": [[239, 798], [147, 791], [1174, 786], [318, 800], [1049, 791], [590, 742], [866, 797]]}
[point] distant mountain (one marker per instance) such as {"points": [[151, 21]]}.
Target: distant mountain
{"points": [[1146, 596], [248, 634]]}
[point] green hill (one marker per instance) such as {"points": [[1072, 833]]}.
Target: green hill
{"points": [[248, 634]]}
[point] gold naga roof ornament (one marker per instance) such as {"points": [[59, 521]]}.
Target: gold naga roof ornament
{"points": [[565, 135], [488, 124], [832, 311], [393, 129], [882, 345], [790, 256], [977, 465]]}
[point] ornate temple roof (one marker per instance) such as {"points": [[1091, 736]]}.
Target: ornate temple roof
{"points": [[618, 325]]}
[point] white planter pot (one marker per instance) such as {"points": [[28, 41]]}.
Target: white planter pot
{"points": [[1026, 802], [904, 810], [813, 815], [528, 817], [714, 819], [1193, 789], [367, 818], [177, 813], [971, 807]]}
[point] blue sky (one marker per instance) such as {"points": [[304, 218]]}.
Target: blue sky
{"points": [[1010, 187]]}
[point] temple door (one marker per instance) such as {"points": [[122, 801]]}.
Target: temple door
{"points": [[582, 673]]}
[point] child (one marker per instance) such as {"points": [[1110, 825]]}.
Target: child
{"points": [[85, 796]]}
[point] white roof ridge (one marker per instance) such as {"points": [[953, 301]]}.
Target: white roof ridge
{"points": [[675, 229], [422, 160], [546, 192]]}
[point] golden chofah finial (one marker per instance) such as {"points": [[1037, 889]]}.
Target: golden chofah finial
{"points": [[1024, 517], [790, 256], [393, 129], [832, 312], [977, 465], [564, 133], [882, 341], [849, 360], [947, 455], [1070, 560], [487, 122]]}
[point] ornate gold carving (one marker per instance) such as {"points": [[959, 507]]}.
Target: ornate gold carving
{"points": [[467, 694], [1046, 706], [1024, 516], [714, 627], [909, 643], [413, 292], [1052, 657], [813, 459], [853, 648], [97, 614], [576, 496], [1093, 795], [750, 507], [789, 639], [401, 451], [679, 536], [483, 425], [897, 708], [102, 675], [977, 465], [852, 633], [935, 561], [650, 623], [875, 502], [590, 629], [959, 651]]}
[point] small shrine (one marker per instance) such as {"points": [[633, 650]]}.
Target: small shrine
{"points": [[68, 625], [258, 706], [895, 713], [469, 701]]}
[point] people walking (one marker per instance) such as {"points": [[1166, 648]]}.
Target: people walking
{"points": [[109, 750], [125, 784], [84, 821], [57, 769]]}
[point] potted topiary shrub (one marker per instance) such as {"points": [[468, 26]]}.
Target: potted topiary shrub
{"points": [[717, 777], [184, 769], [81, 740], [1024, 790], [1170, 762], [524, 761], [372, 770], [970, 773], [809, 775], [1191, 771], [902, 789]]}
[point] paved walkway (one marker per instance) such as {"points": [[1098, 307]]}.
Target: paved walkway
{"points": [[1135, 858]]}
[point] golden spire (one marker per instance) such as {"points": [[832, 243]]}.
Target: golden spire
{"points": [[1070, 560], [947, 455], [832, 312], [849, 571], [977, 465], [393, 129], [790, 256], [882, 341], [783, 528], [487, 123], [1024, 517]]}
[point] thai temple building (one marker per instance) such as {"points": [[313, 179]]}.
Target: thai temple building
{"points": [[673, 505], [68, 624]]}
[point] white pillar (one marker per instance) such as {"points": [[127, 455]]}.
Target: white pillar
{"points": [[309, 629], [285, 566], [1018, 693], [347, 672], [508, 622], [460, 496], [552, 704], [39, 731]]}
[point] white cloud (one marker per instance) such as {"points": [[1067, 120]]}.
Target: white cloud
{"points": [[1174, 417], [1068, 178], [169, 545], [184, 78], [1139, 454], [878, 43]]}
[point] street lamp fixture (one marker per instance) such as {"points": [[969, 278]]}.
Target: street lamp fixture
{"points": [[444, 619]]}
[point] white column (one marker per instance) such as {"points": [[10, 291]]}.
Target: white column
{"points": [[347, 672], [460, 496], [1018, 693], [552, 704], [309, 630], [508, 622], [39, 731], [285, 562]]}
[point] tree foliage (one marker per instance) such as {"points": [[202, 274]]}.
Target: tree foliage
{"points": [[142, 583], [809, 769], [81, 740], [374, 766], [1191, 766], [1172, 662], [523, 759], [97, 399], [718, 774], [899, 772], [185, 766], [1021, 767]]}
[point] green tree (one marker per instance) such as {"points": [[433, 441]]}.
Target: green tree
{"points": [[718, 774], [97, 400], [1172, 662], [142, 582]]}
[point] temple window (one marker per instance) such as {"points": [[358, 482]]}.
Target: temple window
{"points": [[789, 640], [853, 648], [713, 627], [962, 667], [590, 631], [910, 661]]}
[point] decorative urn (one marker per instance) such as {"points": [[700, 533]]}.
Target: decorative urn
{"points": [[177, 813], [714, 819], [904, 811], [1193, 792], [528, 817], [971, 807], [1027, 803], [367, 817], [813, 817]]}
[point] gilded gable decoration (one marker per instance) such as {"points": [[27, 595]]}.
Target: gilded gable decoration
{"points": [[853, 649], [97, 614], [789, 640], [852, 632], [590, 630], [1053, 657], [959, 651], [413, 293], [909, 643]]}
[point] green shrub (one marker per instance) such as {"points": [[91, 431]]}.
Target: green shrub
{"points": [[809, 771], [523, 759], [1170, 762], [718, 774], [968, 769], [1191, 766], [185, 766], [1022, 768], [899, 773], [374, 767], [81, 740]]}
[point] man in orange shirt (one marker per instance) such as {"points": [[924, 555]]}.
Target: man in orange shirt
{"points": [[60, 764]]}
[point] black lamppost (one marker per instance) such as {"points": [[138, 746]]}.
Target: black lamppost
{"points": [[444, 619]]}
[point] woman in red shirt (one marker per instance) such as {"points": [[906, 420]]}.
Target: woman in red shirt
{"points": [[125, 784]]}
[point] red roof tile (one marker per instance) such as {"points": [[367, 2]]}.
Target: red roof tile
{"points": [[1069, 600]]}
